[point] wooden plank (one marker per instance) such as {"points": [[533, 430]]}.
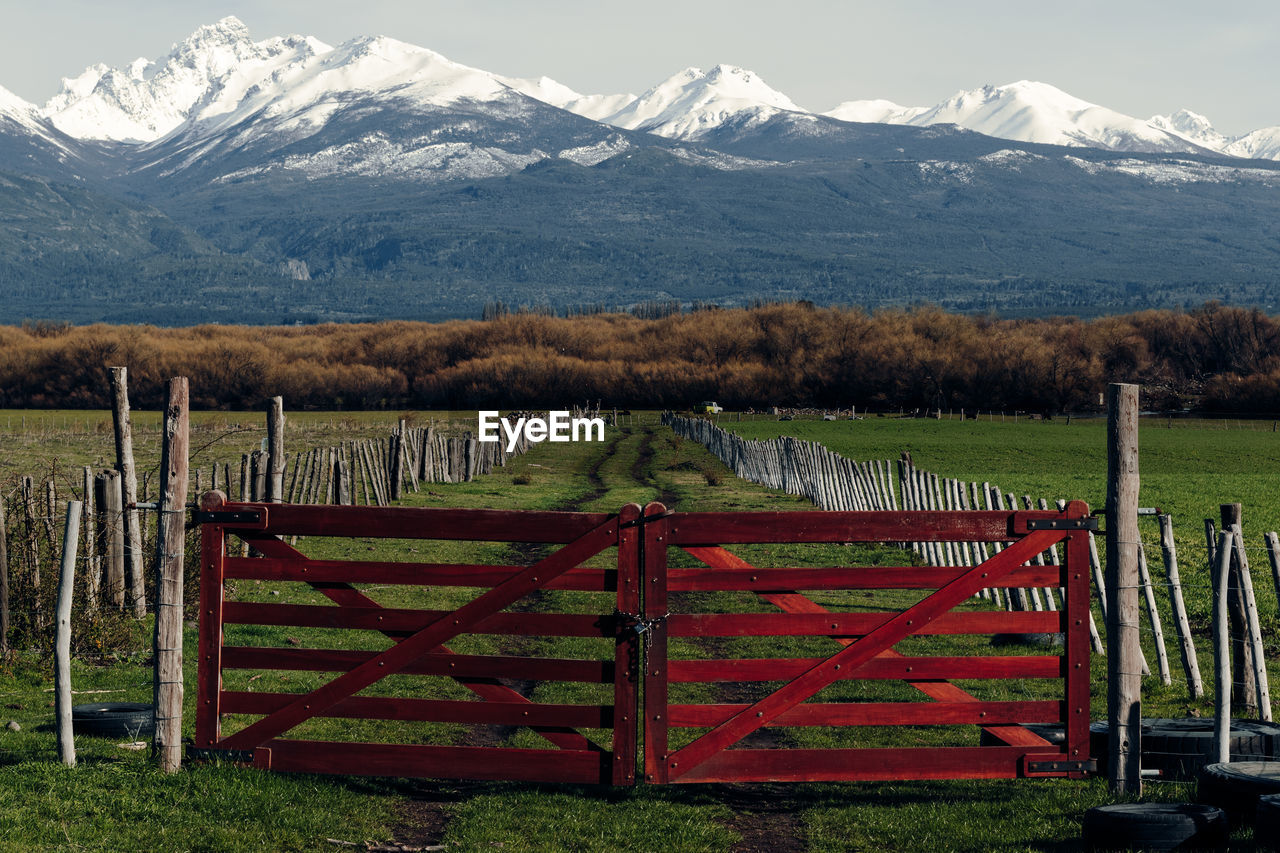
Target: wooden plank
{"points": [[1186, 643], [1075, 606], [878, 714], [862, 765], [913, 620], [627, 653], [171, 536], [396, 619], [654, 576], [452, 665], [439, 762], [903, 667], [851, 577], [418, 574], [416, 523], [209, 665], [441, 630], [840, 624], [434, 710], [704, 528]]}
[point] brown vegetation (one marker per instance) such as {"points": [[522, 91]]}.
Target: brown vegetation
{"points": [[1216, 357]]}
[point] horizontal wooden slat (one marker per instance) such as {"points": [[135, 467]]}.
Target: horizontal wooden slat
{"points": [[879, 714], [859, 577], [424, 574], [417, 523], [906, 668], [855, 624], [392, 619], [440, 762], [454, 666], [718, 528], [812, 765], [442, 711]]}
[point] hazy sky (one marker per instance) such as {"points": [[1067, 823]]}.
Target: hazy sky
{"points": [[1141, 58]]}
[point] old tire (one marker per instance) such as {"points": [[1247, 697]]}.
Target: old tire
{"points": [[1181, 746], [1154, 826], [1266, 829], [1236, 788], [114, 719]]}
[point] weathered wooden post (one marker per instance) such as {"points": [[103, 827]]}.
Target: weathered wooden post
{"points": [[128, 487], [397, 463], [1124, 661], [275, 450], [111, 515], [1222, 647], [4, 582], [170, 547], [62, 637], [92, 563], [1245, 684], [1185, 643], [32, 548]]}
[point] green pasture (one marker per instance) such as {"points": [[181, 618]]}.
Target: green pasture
{"points": [[116, 800]]}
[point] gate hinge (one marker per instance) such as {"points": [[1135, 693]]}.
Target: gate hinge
{"points": [[1087, 523], [1058, 767], [237, 516]]}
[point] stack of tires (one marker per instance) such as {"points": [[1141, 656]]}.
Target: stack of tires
{"points": [[1249, 793], [1181, 747]]}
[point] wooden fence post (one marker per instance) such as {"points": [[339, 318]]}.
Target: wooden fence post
{"points": [[1245, 689], [4, 582], [32, 549], [112, 518], [170, 547], [1253, 628], [62, 636], [92, 562], [128, 487], [275, 450], [1185, 643], [1222, 647], [1124, 679]]}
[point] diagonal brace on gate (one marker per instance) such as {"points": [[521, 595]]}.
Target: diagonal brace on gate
{"points": [[345, 595], [794, 602], [439, 631], [859, 652]]}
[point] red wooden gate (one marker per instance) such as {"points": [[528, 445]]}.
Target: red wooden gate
{"points": [[417, 644], [597, 742], [863, 647]]}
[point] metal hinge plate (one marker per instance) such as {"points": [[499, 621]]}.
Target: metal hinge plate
{"points": [[239, 517], [1088, 523], [1058, 767]]}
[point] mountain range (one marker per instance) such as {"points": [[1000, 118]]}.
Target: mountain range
{"points": [[289, 180]]}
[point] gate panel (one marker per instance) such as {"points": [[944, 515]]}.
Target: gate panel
{"points": [[865, 649], [417, 647]]}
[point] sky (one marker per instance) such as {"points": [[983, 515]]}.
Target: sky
{"points": [[1141, 58]]}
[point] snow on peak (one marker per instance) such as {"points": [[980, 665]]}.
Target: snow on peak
{"points": [[1028, 111], [1263, 143], [1192, 126], [595, 107], [145, 100], [878, 111], [694, 102], [15, 108]]}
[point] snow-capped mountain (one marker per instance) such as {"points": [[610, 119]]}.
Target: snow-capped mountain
{"points": [[1030, 112], [694, 102], [1263, 143], [209, 73], [1192, 126]]}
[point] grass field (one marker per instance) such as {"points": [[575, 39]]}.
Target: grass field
{"points": [[115, 800]]}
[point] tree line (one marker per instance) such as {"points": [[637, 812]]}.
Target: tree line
{"points": [[1216, 358]]}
